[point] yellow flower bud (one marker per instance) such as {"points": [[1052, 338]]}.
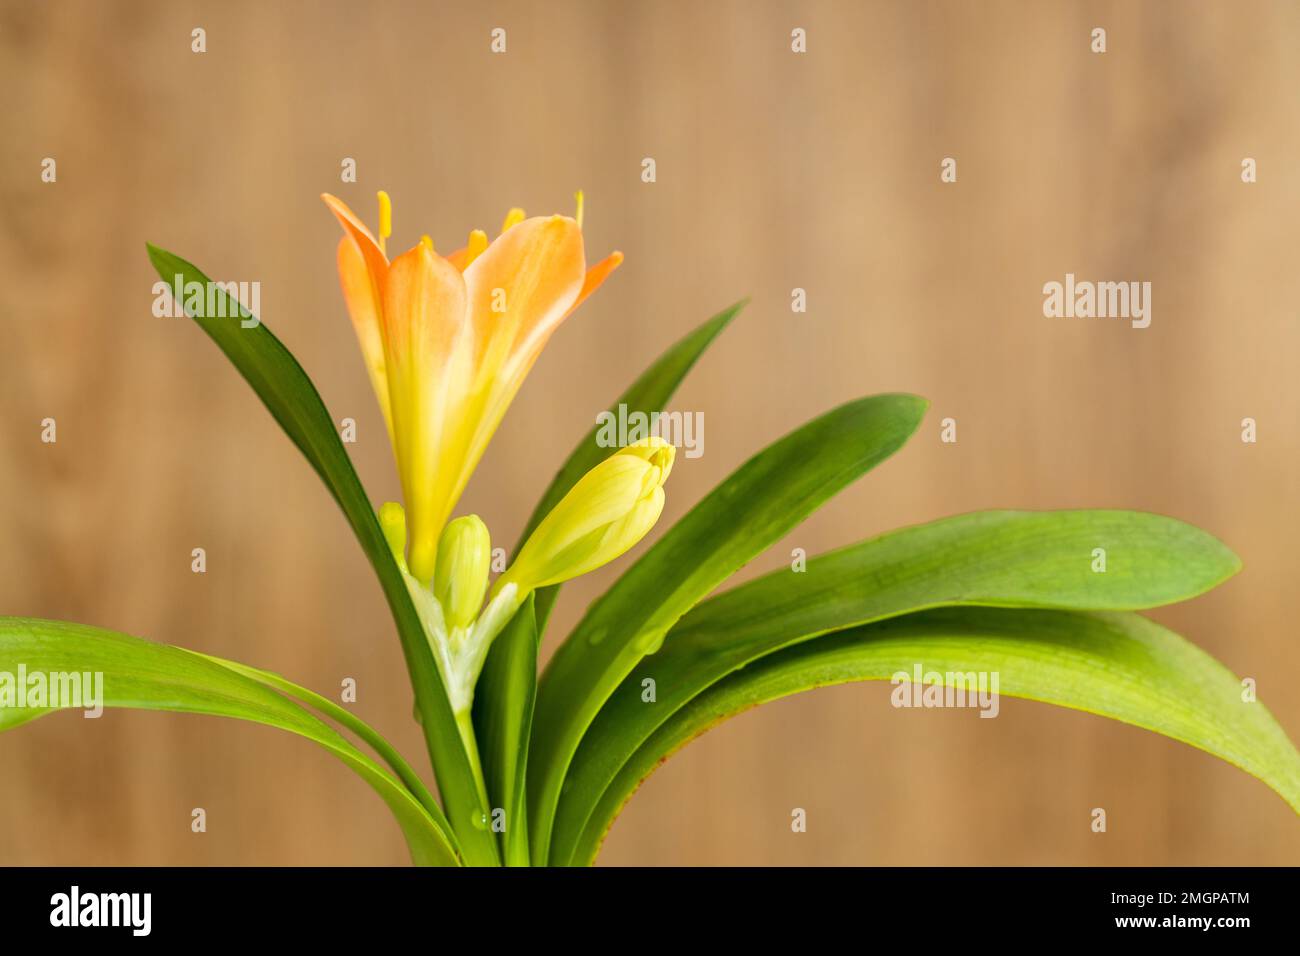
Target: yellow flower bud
{"points": [[460, 575], [392, 519], [610, 509]]}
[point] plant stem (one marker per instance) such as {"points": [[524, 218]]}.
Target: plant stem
{"points": [[465, 724], [478, 847]]}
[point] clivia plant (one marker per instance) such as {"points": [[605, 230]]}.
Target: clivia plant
{"points": [[534, 770]]}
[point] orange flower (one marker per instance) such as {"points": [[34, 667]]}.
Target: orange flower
{"points": [[448, 341]]}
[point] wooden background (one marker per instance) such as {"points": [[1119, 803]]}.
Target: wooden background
{"points": [[775, 171]]}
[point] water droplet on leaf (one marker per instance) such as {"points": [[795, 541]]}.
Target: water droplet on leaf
{"points": [[650, 643]]}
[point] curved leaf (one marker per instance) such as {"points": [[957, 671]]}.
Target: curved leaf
{"points": [[649, 393], [765, 498], [140, 674], [1117, 665], [293, 401], [499, 693], [997, 558], [502, 725], [353, 723]]}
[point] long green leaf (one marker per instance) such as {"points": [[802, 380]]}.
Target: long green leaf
{"points": [[293, 401], [500, 688], [139, 674], [648, 394], [396, 762], [999, 558], [765, 498], [502, 725], [1117, 665]]}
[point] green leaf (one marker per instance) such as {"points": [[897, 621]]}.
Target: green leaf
{"points": [[149, 676], [293, 401], [342, 715], [763, 500], [649, 393], [1000, 558], [498, 687], [502, 725], [1117, 665]]}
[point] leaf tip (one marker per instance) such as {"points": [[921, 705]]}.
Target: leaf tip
{"points": [[723, 318], [157, 255], [917, 405]]}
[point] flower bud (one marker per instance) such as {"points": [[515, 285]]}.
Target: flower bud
{"points": [[392, 519], [460, 575], [610, 509]]}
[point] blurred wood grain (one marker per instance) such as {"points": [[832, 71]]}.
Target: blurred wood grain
{"points": [[774, 171]]}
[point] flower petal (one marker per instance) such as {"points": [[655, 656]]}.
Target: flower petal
{"points": [[428, 348], [523, 285], [354, 227], [459, 258], [362, 269], [596, 277], [520, 289], [365, 306]]}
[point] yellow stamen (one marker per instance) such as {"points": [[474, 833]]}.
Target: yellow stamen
{"points": [[478, 242], [578, 197], [385, 219], [428, 243], [513, 218]]}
